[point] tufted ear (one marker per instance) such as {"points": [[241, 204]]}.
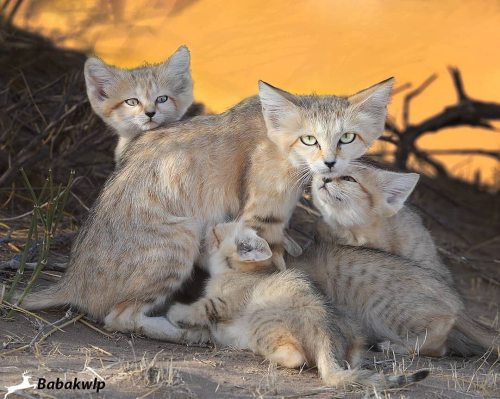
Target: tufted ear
{"points": [[250, 247], [374, 98], [396, 188], [177, 65], [99, 76], [280, 112], [371, 105]]}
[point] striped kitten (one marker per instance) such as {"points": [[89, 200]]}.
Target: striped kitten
{"points": [[277, 315], [365, 207], [132, 101], [143, 234], [394, 299]]}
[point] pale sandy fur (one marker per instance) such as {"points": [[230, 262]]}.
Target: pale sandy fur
{"points": [[410, 304], [278, 315], [370, 212], [108, 88], [143, 234]]}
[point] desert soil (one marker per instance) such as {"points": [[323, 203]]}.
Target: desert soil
{"points": [[465, 224]]}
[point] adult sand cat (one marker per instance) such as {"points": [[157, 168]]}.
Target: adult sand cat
{"points": [[365, 207], [143, 234], [132, 101], [281, 316]]}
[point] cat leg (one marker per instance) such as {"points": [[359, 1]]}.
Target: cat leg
{"points": [[434, 341], [431, 341], [279, 346], [201, 313], [131, 316]]}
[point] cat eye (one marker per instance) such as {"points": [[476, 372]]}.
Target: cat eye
{"points": [[349, 178], [161, 99], [309, 140], [347, 138], [132, 102]]}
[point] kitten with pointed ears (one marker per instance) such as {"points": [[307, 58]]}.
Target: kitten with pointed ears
{"points": [[132, 101], [366, 207], [278, 315], [142, 237]]}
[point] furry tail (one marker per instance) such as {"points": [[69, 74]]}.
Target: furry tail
{"points": [[470, 337], [53, 296], [333, 375]]}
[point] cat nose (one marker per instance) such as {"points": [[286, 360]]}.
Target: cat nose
{"points": [[329, 164], [327, 180], [150, 114]]}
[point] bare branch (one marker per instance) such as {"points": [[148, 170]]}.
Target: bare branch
{"points": [[401, 88], [388, 139], [458, 83], [436, 165], [390, 126], [412, 94], [471, 151]]}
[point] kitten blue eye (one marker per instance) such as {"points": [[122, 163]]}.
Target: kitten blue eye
{"points": [[132, 102], [161, 99], [347, 138]]}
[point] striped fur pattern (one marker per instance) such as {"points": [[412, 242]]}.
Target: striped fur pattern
{"points": [[409, 304], [365, 207], [164, 91], [279, 315], [143, 235]]}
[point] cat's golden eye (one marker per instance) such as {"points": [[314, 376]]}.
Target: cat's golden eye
{"points": [[309, 140], [347, 138], [132, 102], [349, 178], [161, 99]]}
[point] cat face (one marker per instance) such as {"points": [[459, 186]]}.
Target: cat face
{"points": [[323, 133], [362, 193], [135, 100], [237, 247]]}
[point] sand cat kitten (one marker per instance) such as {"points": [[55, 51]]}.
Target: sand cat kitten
{"points": [[143, 234], [280, 316], [365, 207], [135, 100], [393, 298]]}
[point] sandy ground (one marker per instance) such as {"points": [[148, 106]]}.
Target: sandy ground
{"points": [[135, 367]]}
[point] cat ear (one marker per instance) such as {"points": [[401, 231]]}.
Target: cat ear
{"points": [[252, 248], [98, 77], [372, 104], [178, 63], [396, 188], [375, 97], [176, 72], [280, 113]]}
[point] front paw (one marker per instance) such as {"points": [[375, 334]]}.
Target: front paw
{"points": [[199, 336], [177, 314]]}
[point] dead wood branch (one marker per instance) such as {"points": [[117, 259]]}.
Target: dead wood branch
{"points": [[466, 112]]}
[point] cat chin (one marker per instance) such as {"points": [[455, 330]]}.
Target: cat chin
{"points": [[149, 125]]}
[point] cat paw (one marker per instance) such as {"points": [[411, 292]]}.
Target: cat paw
{"points": [[178, 315], [197, 336]]}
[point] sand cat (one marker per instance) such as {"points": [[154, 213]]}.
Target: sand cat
{"points": [[143, 234], [132, 101], [394, 299], [280, 316], [365, 207]]}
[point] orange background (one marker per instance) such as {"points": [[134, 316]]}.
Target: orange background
{"points": [[323, 46]]}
